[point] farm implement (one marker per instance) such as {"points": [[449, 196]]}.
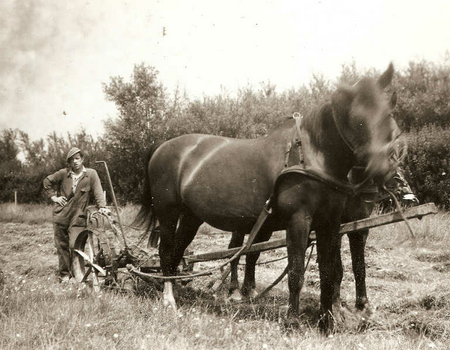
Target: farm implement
{"points": [[101, 251]]}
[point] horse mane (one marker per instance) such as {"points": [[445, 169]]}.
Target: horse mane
{"points": [[280, 124], [313, 121], [309, 120]]}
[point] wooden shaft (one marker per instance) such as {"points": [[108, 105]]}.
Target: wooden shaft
{"points": [[115, 202], [354, 226]]}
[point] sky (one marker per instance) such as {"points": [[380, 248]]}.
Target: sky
{"points": [[56, 54]]}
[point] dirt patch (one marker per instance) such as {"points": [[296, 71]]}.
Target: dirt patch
{"points": [[390, 275], [424, 324], [442, 267], [2, 279], [433, 257], [433, 302]]}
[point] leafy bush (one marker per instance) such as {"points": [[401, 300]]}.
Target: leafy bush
{"points": [[146, 113], [427, 164], [423, 95]]}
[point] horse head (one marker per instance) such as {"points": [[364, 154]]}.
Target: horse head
{"points": [[362, 116]]}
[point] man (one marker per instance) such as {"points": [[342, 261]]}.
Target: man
{"points": [[71, 189]]}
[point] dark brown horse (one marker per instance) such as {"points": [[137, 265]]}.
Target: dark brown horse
{"points": [[225, 182], [360, 207], [357, 207]]}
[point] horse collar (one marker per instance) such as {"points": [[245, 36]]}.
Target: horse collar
{"points": [[341, 186]]}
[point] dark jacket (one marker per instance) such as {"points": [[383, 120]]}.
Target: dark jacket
{"points": [[74, 212]]}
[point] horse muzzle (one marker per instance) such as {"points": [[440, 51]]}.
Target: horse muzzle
{"points": [[381, 169]]}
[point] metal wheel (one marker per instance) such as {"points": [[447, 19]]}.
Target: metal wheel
{"points": [[87, 259]]}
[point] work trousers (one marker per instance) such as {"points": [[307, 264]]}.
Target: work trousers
{"points": [[64, 240]]}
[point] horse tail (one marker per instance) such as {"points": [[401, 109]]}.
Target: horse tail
{"points": [[146, 219]]}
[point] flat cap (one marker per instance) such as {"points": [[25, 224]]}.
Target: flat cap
{"points": [[72, 152]]}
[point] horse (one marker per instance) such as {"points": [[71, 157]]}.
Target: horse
{"points": [[357, 207], [360, 207], [226, 182]]}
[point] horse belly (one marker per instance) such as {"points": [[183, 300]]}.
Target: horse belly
{"points": [[226, 207], [224, 182]]}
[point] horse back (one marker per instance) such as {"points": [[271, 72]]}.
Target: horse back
{"points": [[217, 178]]}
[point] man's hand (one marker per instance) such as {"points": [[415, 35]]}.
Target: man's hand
{"points": [[104, 211], [62, 201]]}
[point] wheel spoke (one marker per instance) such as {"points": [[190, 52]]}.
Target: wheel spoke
{"points": [[90, 263], [83, 254], [86, 275], [99, 269]]}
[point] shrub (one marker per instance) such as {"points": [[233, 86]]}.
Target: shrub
{"points": [[427, 164], [423, 95]]}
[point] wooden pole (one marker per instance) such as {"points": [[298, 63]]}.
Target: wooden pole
{"points": [[115, 202], [414, 212], [15, 200]]}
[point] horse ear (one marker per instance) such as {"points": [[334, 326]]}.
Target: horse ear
{"points": [[393, 100], [386, 78]]}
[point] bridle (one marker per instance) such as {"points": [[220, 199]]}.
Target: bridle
{"points": [[342, 186]]}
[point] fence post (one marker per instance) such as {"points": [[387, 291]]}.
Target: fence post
{"points": [[15, 200]]}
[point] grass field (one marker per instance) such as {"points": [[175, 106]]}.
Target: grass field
{"points": [[408, 288]]}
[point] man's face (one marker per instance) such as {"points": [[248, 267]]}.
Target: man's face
{"points": [[76, 162]]}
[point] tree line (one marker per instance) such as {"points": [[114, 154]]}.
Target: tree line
{"points": [[147, 113]]}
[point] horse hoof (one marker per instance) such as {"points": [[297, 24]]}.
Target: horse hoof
{"points": [[364, 310], [364, 316], [291, 322], [252, 294], [362, 304], [170, 304], [327, 324], [235, 295], [283, 310], [339, 313]]}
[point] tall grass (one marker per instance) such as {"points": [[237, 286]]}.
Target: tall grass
{"points": [[25, 213], [430, 232], [41, 213]]}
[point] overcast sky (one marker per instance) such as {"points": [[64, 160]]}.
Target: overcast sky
{"points": [[55, 55]]}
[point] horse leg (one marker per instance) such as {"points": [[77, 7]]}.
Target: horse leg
{"points": [[327, 249], [168, 224], [297, 234], [237, 239], [357, 242], [357, 209], [338, 276], [185, 233], [249, 284]]}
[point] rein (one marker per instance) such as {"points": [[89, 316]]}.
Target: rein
{"points": [[399, 209]]}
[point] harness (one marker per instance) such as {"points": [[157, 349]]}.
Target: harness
{"points": [[295, 143], [365, 190], [360, 189], [300, 168]]}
